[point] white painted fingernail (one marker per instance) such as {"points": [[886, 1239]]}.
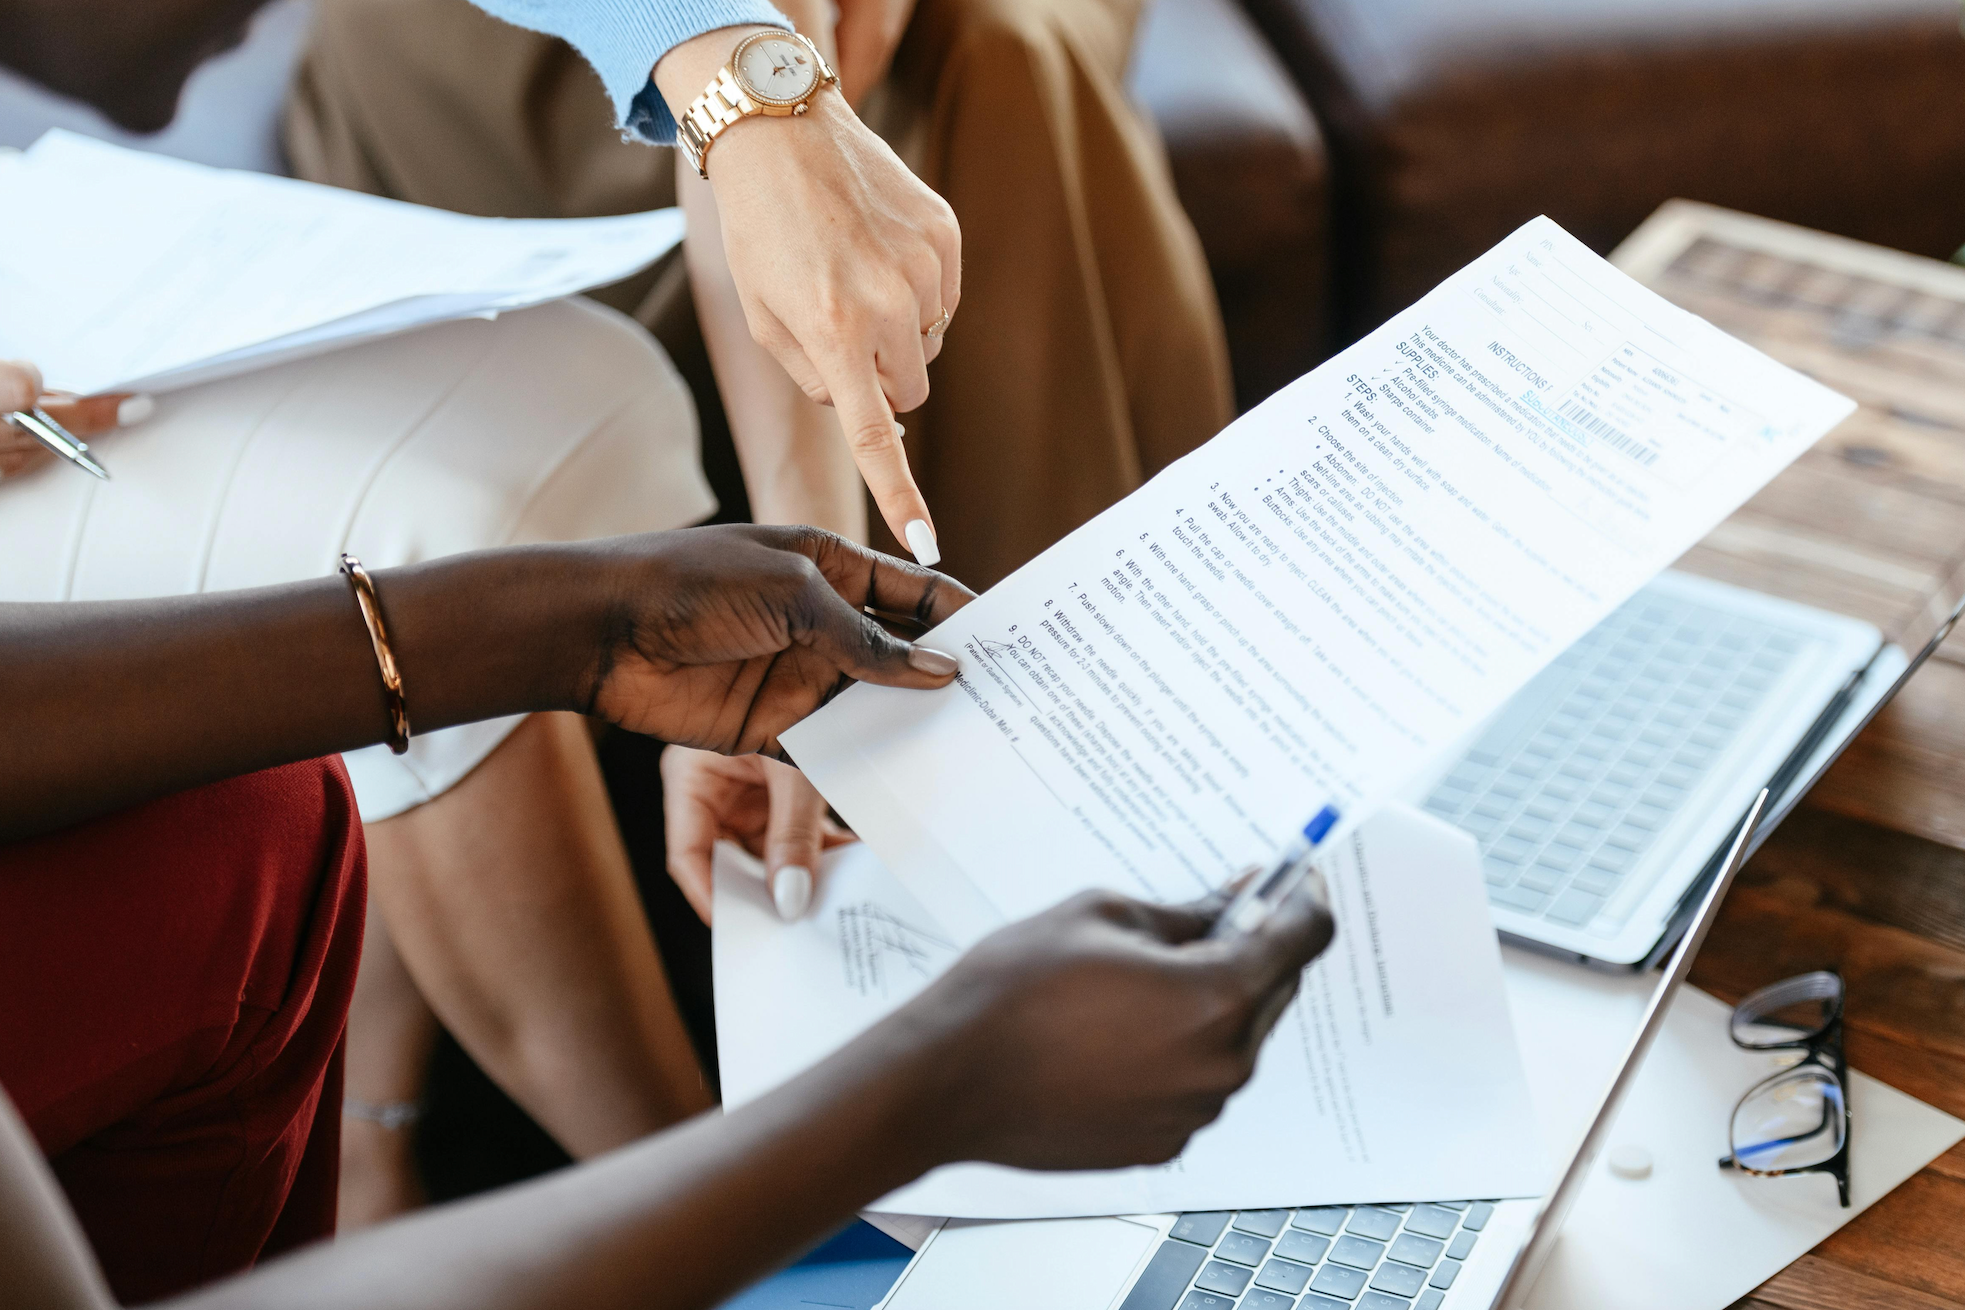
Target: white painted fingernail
{"points": [[134, 410], [791, 891], [899, 431], [921, 540]]}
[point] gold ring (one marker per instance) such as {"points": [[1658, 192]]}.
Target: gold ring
{"points": [[939, 326]]}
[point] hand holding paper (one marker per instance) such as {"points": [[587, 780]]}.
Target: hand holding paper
{"points": [[1098, 1034], [1341, 1106], [1306, 612], [720, 637], [129, 271], [1309, 608]]}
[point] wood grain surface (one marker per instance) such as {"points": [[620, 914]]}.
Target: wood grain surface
{"points": [[1869, 875]]}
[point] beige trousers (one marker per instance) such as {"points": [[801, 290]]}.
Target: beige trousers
{"points": [[559, 423], [1088, 353]]}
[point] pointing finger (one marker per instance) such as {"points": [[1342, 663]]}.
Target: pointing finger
{"points": [[875, 442]]}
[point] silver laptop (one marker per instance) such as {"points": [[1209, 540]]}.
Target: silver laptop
{"points": [[1441, 1255], [1606, 789]]}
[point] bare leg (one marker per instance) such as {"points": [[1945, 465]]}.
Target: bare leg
{"points": [[390, 1033], [510, 901]]}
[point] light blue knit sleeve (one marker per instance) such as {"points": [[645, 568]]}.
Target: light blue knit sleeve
{"points": [[622, 39]]}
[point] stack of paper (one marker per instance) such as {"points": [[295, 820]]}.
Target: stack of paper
{"points": [[1394, 1074], [124, 271], [1309, 610], [1315, 605]]}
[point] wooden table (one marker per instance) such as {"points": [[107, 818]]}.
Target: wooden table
{"points": [[1870, 875]]}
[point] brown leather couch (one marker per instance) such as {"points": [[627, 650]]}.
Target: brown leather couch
{"points": [[1248, 163], [1452, 121]]}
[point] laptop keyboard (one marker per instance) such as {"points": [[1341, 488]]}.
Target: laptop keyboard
{"points": [[1326, 1257], [1569, 789]]}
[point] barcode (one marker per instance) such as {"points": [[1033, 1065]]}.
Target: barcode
{"points": [[1618, 439]]}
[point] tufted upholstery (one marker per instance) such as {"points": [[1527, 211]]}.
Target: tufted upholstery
{"points": [[1452, 121]]}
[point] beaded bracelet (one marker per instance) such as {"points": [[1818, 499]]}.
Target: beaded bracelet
{"points": [[385, 658]]}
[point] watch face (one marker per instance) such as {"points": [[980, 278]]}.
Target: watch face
{"points": [[777, 69]]}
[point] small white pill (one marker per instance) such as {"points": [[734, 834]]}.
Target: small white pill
{"points": [[1632, 1162]]}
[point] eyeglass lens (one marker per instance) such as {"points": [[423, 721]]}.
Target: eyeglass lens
{"points": [[1794, 1120], [1789, 1012]]}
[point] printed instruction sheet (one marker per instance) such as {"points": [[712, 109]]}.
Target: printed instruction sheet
{"points": [[1393, 1074], [1308, 608]]}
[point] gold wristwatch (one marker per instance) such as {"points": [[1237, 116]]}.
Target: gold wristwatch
{"points": [[770, 73]]}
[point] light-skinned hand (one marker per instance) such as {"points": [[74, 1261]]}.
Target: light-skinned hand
{"points": [[85, 416], [768, 808], [842, 259]]}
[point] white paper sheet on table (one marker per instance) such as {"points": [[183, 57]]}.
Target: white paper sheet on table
{"points": [[121, 270], [1691, 1236], [1315, 603], [1394, 1074]]}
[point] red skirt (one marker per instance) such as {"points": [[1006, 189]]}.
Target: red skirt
{"points": [[174, 983]]}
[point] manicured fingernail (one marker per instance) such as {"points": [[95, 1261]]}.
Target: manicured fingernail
{"points": [[899, 431], [921, 540], [929, 660], [791, 891], [134, 410]]}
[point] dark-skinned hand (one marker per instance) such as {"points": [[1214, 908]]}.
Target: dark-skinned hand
{"points": [[1107, 1031], [723, 637]]}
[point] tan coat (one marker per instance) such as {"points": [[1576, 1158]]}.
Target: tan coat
{"points": [[1089, 350]]}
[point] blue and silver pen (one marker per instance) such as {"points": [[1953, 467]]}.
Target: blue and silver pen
{"points": [[36, 423], [1273, 886]]}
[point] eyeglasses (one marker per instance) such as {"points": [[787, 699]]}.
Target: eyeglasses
{"points": [[1795, 1121]]}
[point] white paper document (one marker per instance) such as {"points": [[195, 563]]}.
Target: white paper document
{"points": [[1311, 606], [121, 270], [1725, 1232], [1394, 1074]]}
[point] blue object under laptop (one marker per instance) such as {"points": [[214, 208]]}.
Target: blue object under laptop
{"points": [[852, 1271]]}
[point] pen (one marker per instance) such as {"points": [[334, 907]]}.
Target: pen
{"points": [[1273, 886], [38, 424]]}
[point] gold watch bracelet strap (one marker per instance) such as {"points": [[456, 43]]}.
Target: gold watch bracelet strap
{"points": [[709, 114]]}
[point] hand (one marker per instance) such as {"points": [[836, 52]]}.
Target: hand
{"points": [[867, 33], [842, 259], [768, 808], [1105, 1032], [723, 637], [90, 416]]}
